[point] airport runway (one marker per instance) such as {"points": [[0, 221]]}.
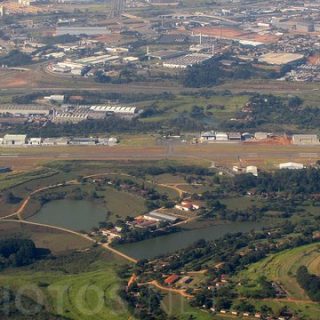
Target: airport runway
{"points": [[221, 154]]}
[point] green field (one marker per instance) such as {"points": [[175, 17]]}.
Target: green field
{"points": [[57, 241], [10, 180], [123, 204], [84, 286], [180, 104]]}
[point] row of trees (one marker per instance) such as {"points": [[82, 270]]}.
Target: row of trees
{"points": [[305, 181], [16, 252], [309, 282]]}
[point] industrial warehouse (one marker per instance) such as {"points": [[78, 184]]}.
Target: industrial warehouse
{"points": [[15, 140], [261, 137], [59, 112]]}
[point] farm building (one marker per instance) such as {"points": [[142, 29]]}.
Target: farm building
{"points": [[305, 139], [15, 139], [158, 216], [291, 166], [187, 206]]}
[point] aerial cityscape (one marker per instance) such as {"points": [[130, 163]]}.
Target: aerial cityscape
{"points": [[159, 159]]}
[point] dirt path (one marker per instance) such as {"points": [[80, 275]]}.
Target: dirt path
{"points": [[290, 300], [175, 186], [177, 291]]}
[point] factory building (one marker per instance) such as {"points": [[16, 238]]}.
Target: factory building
{"points": [[96, 60], [308, 139], [14, 139], [187, 60], [165, 54], [281, 58], [66, 117], [25, 110], [114, 109]]}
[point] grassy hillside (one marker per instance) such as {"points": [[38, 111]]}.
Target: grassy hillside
{"points": [[281, 268], [78, 286]]}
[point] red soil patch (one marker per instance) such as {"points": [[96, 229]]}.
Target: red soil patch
{"points": [[283, 141], [314, 60]]}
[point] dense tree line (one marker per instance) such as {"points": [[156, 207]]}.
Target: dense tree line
{"points": [[304, 181], [16, 252], [15, 58], [309, 282], [157, 170], [269, 111], [212, 72], [143, 302]]}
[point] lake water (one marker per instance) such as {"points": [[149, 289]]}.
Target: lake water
{"points": [[151, 248], [71, 214], [84, 215]]}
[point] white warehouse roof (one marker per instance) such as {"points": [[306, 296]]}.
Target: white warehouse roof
{"points": [[115, 109], [291, 165]]}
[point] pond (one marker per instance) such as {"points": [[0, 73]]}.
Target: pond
{"points": [[151, 248], [71, 214]]}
